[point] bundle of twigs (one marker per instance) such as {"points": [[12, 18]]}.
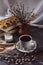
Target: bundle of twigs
{"points": [[21, 14]]}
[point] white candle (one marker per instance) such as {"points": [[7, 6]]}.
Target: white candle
{"points": [[8, 37]]}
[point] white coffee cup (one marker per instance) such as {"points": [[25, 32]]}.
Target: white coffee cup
{"points": [[26, 42]]}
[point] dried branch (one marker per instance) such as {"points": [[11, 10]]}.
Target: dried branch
{"points": [[21, 14]]}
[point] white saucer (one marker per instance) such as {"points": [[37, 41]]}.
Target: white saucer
{"points": [[21, 49]]}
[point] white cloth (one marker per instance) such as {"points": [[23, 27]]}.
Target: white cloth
{"points": [[4, 9]]}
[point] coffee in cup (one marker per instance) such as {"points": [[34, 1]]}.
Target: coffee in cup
{"points": [[26, 41]]}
